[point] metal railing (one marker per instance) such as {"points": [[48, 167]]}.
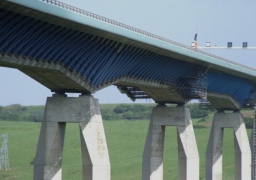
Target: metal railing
{"points": [[101, 18]]}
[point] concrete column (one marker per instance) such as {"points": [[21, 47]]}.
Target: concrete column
{"points": [[152, 164], [214, 153], [188, 153], [153, 152], [95, 157], [47, 163], [242, 148], [83, 110], [252, 159]]}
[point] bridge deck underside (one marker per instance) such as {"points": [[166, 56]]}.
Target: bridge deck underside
{"points": [[67, 60]]}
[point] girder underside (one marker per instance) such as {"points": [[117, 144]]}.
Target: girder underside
{"points": [[222, 102], [49, 75], [159, 93], [60, 79]]}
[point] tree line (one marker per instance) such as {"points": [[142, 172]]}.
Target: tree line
{"points": [[17, 112]]}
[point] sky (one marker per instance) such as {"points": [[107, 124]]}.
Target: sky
{"points": [[214, 21]]}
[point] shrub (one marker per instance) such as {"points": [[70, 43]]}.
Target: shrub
{"points": [[248, 122], [196, 112], [35, 117], [120, 109], [138, 108], [128, 115], [11, 112]]}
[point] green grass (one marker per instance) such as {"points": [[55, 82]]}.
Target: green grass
{"points": [[126, 140], [22, 142]]}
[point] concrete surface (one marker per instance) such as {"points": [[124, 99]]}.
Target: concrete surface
{"points": [[187, 149], [242, 148], [83, 110]]}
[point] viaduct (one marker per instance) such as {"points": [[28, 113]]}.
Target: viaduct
{"points": [[67, 49]]}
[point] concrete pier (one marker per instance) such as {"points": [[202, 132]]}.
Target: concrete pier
{"points": [[252, 151], [242, 148], [83, 110], [187, 149]]}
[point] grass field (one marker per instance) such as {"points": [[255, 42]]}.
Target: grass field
{"points": [[125, 140]]}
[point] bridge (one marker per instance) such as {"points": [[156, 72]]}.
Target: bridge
{"points": [[68, 49]]}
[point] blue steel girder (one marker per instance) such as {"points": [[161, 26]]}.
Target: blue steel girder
{"points": [[48, 51]]}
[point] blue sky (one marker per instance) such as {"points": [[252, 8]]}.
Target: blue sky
{"points": [[215, 21]]}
